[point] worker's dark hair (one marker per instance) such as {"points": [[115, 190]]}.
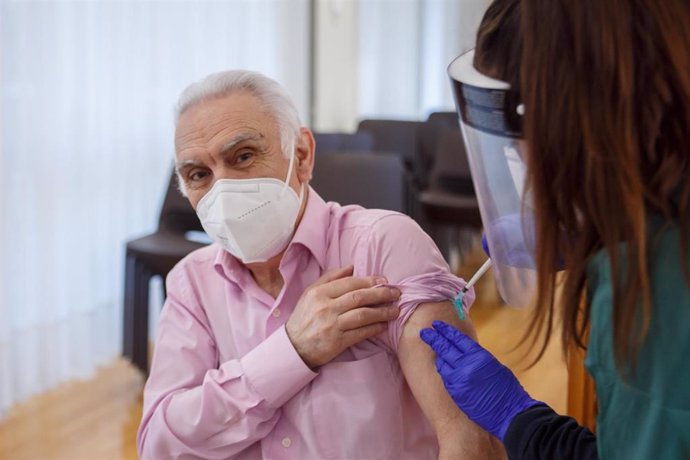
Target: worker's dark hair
{"points": [[498, 51], [606, 90]]}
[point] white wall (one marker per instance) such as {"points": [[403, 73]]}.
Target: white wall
{"points": [[87, 90], [336, 65], [388, 58]]}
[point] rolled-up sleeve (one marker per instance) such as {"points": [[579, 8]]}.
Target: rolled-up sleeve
{"points": [[194, 405], [402, 252]]}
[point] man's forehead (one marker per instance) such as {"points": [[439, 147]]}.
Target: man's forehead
{"points": [[221, 124], [235, 108]]}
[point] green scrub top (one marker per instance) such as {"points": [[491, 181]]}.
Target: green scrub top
{"points": [[648, 415]]}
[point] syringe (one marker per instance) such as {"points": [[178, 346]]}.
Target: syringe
{"points": [[458, 299]]}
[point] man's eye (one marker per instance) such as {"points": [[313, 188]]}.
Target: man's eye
{"points": [[197, 176], [244, 157]]}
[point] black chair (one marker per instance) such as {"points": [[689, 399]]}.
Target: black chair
{"points": [[403, 137], [154, 255], [338, 142], [430, 133], [449, 204], [372, 181], [448, 119], [399, 136]]}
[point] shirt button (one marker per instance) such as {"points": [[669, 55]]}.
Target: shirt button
{"points": [[276, 314], [287, 442]]}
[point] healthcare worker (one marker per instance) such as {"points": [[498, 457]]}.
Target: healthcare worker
{"points": [[576, 119]]}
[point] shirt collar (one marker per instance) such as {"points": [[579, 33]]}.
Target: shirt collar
{"points": [[312, 233]]}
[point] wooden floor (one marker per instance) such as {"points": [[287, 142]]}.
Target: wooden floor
{"points": [[98, 419], [90, 420]]}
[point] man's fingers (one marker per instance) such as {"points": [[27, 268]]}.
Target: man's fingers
{"points": [[354, 336], [336, 274], [364, 297], [444, 348], [358, 317], [342, 286], [460, 340]]}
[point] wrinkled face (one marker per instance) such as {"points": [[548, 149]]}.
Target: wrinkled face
{"points": [[229, 138]]}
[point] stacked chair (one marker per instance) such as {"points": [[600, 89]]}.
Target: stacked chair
{"points": [[377, 180], [448, 207], [338, 142], [154, 255], [440, 193]]}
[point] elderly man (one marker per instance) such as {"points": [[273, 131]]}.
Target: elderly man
{"points": [[295, 335]]}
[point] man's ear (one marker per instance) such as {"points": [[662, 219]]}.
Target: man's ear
{"points": [[304, 155]]}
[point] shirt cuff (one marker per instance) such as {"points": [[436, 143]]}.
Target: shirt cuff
{"points": [[275, 370]]}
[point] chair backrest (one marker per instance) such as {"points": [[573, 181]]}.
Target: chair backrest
{"points": [[372, 181], [338, 142], [451, 170], [177, 214], [396, 136], [431, 131], [449, 119]]}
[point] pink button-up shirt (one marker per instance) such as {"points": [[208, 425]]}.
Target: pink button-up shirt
{"points": [[227, 383]]}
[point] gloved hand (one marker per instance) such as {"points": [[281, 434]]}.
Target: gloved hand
{"points": [[483, 388]]}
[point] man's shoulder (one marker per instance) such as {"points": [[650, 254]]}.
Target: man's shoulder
{"points": [[203, 255], [369, 220], [199, 260], [369, 234]]}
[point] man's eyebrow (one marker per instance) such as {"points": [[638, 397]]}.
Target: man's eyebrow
{"points": [[238, 140], [179, 166]]}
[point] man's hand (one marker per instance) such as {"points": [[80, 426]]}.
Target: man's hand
{"points": [[338, 311]]}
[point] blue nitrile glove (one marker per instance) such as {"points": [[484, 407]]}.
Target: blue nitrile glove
{"points": [[483, 388], [485, 246]]}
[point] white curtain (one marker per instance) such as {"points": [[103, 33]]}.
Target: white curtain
{"points": [[405, 47], [86, 96]]}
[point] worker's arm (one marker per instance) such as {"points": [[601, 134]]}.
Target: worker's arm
{"points": [[458, 436], [539, 432]]}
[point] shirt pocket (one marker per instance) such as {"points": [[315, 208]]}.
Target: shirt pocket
{"points": [[357, 408]]}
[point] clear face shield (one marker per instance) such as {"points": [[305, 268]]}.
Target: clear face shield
{"points": [[490, 116]]}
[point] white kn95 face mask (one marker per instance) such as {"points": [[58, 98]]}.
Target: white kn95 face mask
{"points": [[253, 219]]}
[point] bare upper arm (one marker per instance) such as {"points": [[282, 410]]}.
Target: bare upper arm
{"points": [[458, 436]]}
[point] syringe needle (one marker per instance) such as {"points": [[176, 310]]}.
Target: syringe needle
{"points": [[483, 269], [459, 308]]}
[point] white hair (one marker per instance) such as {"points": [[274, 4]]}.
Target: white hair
{"points": [[272, 96]]}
